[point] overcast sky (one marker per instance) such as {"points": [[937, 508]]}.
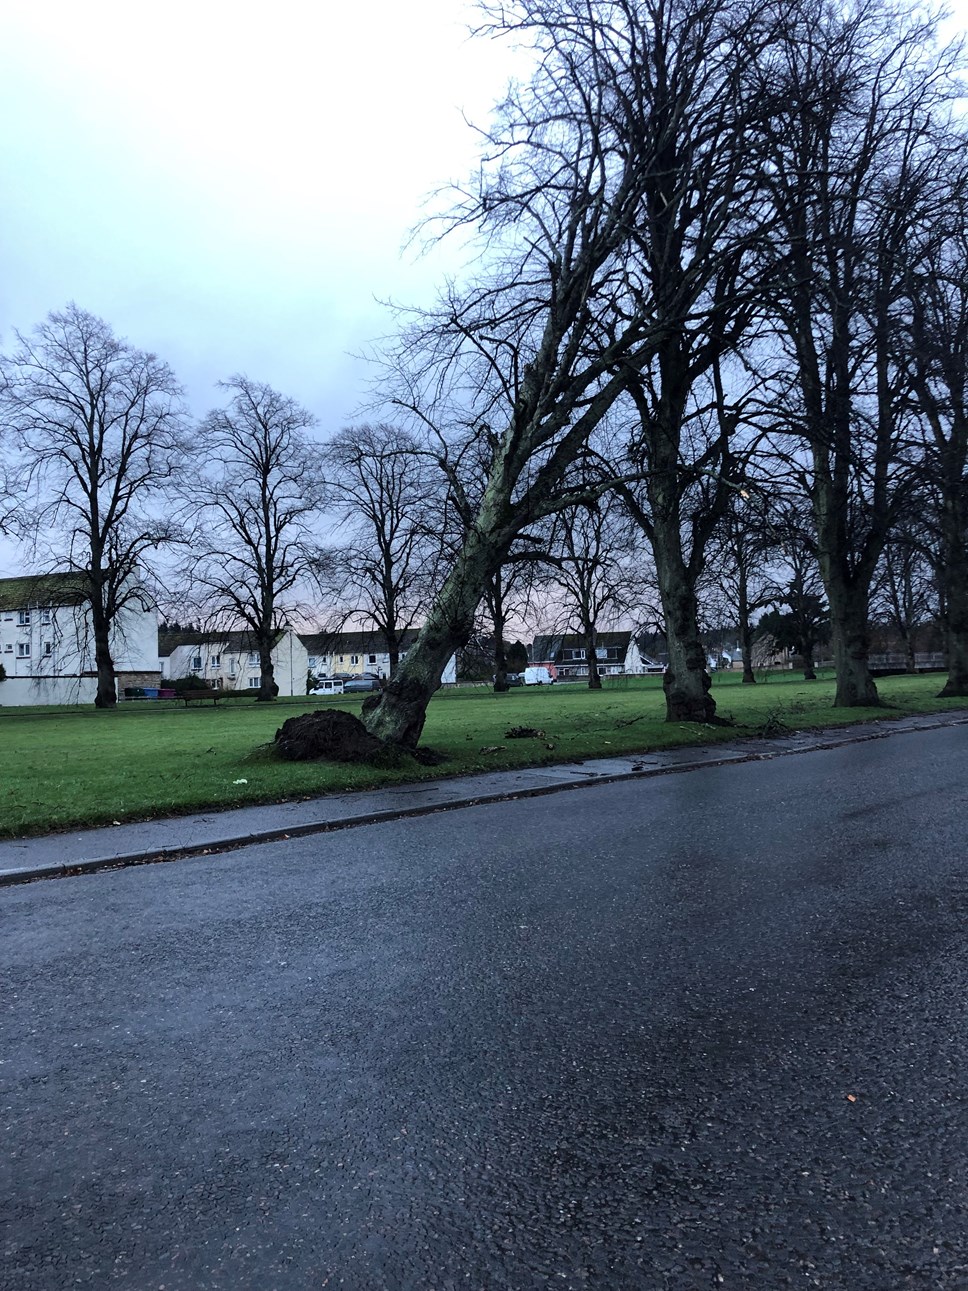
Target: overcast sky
{"points": [[231, 184]]}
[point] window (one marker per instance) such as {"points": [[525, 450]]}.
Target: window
{"points": [[255, 682], [371, 658], [8, 648], [48, 649], [575, 654], [354, 658], [215, 661], [23, 618], [254, 658], [45, 618], [196, 663], [23, 650]]}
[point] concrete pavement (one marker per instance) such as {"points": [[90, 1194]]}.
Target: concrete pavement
{"points": [[168, 838]]}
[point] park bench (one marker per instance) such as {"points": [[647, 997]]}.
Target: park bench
{"points": [[189, 695]]}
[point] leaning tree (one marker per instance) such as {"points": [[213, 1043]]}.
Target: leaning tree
{"points": [[565, 316]]}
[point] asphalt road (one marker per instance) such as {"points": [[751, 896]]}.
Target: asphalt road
{"points": [[701, 1031]]}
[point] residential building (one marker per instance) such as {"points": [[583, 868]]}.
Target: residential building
{"points": [[47, 641], [359, 654], [617, 654], [230, 660]]}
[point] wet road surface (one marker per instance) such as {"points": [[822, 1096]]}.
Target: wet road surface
{"points": [[696, 1032]]}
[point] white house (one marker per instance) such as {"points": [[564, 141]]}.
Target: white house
{"points": [[360, 654], [618, 654], [230, 660], [47, 643]]}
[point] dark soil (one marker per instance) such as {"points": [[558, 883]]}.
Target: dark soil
{"points": [[335, 736]]}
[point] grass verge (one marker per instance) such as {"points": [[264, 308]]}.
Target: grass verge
{"points": [[69, 768]]}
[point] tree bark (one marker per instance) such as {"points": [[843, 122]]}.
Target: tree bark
{"points": [[498, 623], [809, 668], [107, 694], [745, 628], [590, 638], [686, 682], [850, 637], [955, 594], [397, 715], [268, 690]]}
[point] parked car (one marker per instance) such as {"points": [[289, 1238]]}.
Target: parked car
{"points": [[360, 685]]}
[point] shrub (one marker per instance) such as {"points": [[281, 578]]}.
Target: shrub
{"points": [[191, 682]]}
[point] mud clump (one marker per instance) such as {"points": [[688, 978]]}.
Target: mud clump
{"points": [[332, 735]]}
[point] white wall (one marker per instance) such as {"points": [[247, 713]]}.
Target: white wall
{"points": [[236, 670], [60, 645], [21, 692]]}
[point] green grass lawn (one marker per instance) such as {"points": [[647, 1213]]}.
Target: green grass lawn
{"points": [[72, 767]]}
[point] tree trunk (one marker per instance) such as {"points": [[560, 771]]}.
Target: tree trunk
{"points": [[957, 642], [107, 694], [910, 662], [268, 689], [851, 647], [809, 668], [591, 655], [745, 633], [955, 594], [397, 715], [500, 657], [686, 682]]}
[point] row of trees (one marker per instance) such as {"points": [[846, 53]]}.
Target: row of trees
{"points": [[107, 475], [717, 330], [723, 257]]}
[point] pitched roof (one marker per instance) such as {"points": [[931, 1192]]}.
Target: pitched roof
{"points": [[321, 643], [546, 647], [48, 590], [231, 642]]}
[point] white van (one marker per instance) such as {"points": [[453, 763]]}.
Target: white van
{"points": [[538, 676], [328, 686]]}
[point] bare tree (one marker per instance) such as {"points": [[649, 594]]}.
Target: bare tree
{"points": [[97, 432], [256, 547], [589, 561], [509, 591], [936, 289], [741, 567], [536, 352], [904, 591], [799, 585], [385, 497], [851, 177]]}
